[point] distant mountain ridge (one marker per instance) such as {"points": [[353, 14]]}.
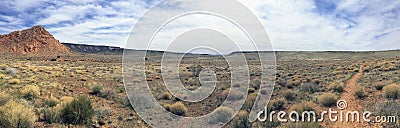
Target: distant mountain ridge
{"points": [[35, 40], [91, 49]]}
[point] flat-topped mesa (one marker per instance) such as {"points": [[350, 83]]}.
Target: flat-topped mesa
{"points": [[34, 40]]}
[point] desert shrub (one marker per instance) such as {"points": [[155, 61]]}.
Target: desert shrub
{"points": [[66, 99], [236, 85], [167, 96], [388, 108], [303, 106], [51, 115], [379, 85], [11, 71], [96, 90], [251, 90], [4, 98], [277, 104], [222, 114], [264, 91], [336, 87], [360, 93], [167, 107], [289, 95], [296, 82], [121, 89], [14, 81], [316, 81], [78, 111], [107, 93], [30, 92], [234, 95], [300, 125], [256, 84], [248, 104], [327, 99], [178, 108], [16, 115], [241, 120], [289, 84], [308, 87], [51, 102], [392, 91]]}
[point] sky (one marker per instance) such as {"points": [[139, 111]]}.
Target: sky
{"points": [[299, 25]]}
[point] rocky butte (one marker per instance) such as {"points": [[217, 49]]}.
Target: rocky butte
{"points": [[35, 40]]}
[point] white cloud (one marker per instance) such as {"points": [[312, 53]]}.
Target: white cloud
{"points": [[291, 24]]}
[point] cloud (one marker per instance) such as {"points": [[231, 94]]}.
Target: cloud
{"points": [[291, 24]]}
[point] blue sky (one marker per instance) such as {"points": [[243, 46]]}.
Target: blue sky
{"points": [[291, 24]]}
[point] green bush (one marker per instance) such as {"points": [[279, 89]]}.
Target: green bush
{"points": [[51, 116], [78, 111], [96, 89], [327, 99], [17, 115], [392, 91]]}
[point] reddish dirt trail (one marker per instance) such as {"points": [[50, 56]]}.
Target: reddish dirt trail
{"points": [[353, 104]]}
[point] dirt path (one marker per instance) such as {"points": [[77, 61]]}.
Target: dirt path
{"points": [[353, 104]]}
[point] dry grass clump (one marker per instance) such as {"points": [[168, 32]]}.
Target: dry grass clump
{"points": [[178, 108], [4, 98], [327, 99], [63, 101], [303, 106], [392, 91], [30, 92], [51, 101], [14, 81], [222, 114], [16, 115]]}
